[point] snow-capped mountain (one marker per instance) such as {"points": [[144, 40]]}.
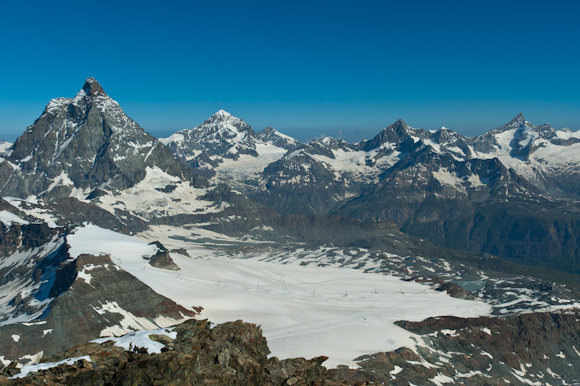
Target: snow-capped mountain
{"points": [[221, 134], [272, 136], [82, 144], [226, 147], [331, 170], [442, 186], [546, 157]]}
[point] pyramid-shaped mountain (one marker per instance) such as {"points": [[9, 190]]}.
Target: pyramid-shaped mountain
{"points": [[81, 144]]}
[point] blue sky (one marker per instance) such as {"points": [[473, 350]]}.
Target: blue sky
{"points": [[306, 68]]}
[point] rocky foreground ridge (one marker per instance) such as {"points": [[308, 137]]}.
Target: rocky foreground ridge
{"points": [[229, 354], [536, 348]]}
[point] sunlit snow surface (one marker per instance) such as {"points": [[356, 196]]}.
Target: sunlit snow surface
{"points": [[304, 311], [27, 369]]}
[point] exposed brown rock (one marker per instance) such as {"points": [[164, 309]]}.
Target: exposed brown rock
{"points": [[233, 353], [162, 259]]}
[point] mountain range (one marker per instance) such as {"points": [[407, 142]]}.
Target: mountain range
{"points": [[106, 230], [438, 185]]}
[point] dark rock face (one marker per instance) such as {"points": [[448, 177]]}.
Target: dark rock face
{"points": [[233, 353], [72, 211], [301, 185], [83, 143], [92, 297], [30, 254], [162, 259]]}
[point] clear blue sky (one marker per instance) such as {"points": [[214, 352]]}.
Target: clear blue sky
{"points": [[304, 67]]}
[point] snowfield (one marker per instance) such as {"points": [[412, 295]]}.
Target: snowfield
{"points": [[304, 311]]}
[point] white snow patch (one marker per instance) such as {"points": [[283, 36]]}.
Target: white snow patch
{"points": [[27, 369], [445, 177], [129, 322], [177, 137], [396, 371], [441, 379], [140, 339], [144, 200], [8, 218], [4, 146], [247, 165], [34, 323]]}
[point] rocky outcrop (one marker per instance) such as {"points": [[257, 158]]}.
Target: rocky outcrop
{"points": [[535, 348], [162, 258], [455, 291], [232, 353]]}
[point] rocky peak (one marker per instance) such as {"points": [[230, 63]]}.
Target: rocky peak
{"points": [[222, 134], [269, 133], [517, 122], [81, 144], [444, 135], [92, 92], [93, 88], [395, 133], [224, 120]]}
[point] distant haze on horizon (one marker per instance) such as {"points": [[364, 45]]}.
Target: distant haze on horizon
{"points": [[309, 70]]}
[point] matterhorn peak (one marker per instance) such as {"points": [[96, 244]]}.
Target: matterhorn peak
{"points": [[91, 91], [85, 143], [93, 88]]}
